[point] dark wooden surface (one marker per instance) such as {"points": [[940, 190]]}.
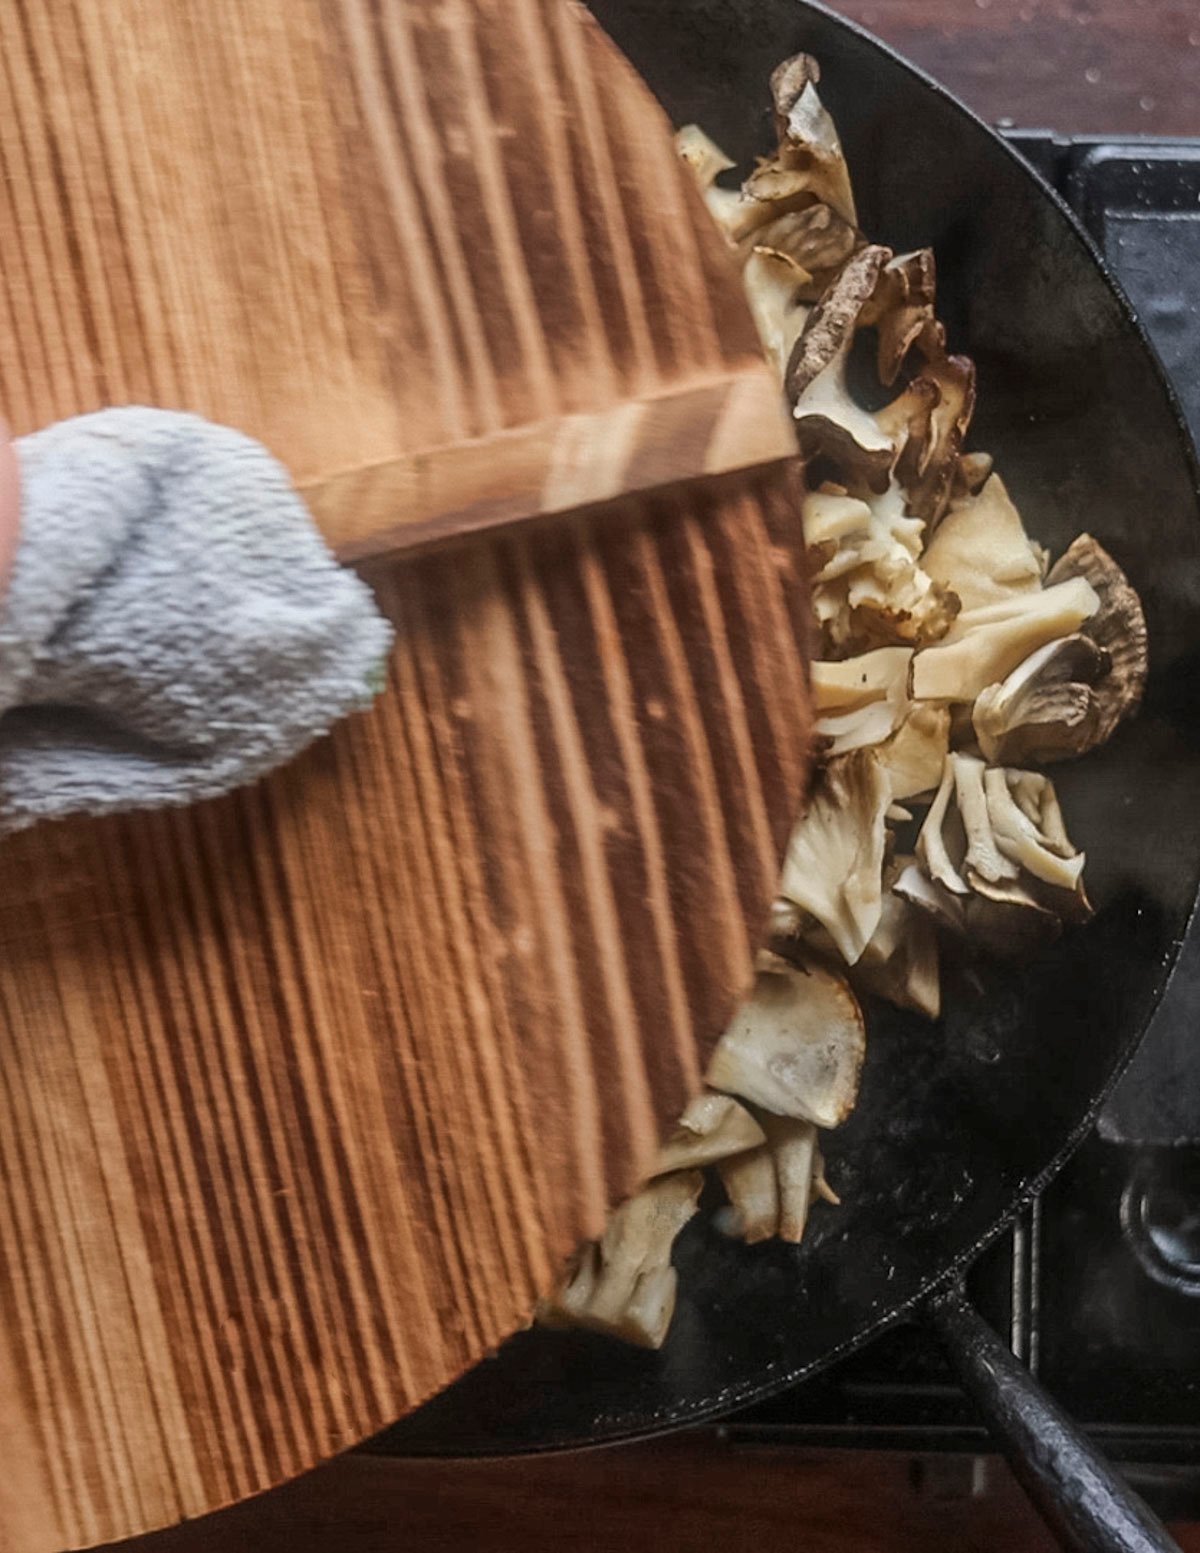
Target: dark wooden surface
{"points": [[687, 1495], [1078, 66], [1072, 65]]}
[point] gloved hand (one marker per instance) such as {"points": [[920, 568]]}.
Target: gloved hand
{"points": [[172, 624]]}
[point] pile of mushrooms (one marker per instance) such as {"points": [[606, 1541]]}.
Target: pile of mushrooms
{"points": [[955, 663]]}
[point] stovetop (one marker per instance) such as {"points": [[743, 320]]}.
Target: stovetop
{"points": [[1098, 1286]]}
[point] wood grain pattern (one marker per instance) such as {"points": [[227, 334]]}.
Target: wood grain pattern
{"points": [[306, 1094], [422, 250]]}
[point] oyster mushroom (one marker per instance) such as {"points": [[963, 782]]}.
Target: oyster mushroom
{"points": [[1031, 833], [808, 139], [902, 312], [773, 282], [996, 865], [981, 550], [941, 844], [816, 238], [900, 963], [771, 1189], [927, 469], [985, 645], [1047, 709], [711, 1128], [734, 213], [1118, 626], [834, 863], [794, 1046], [915, 754], [983, 858], [623, 1284], [870, 589], [828, 419], [970, 475], [861, 701], [829, 516]]}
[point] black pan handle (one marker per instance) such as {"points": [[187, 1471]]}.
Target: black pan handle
{"points": [[1081, 1498]]}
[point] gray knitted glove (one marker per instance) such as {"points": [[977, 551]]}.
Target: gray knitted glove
{"points": [[174, 626]]}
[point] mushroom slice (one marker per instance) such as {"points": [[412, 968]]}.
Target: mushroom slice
{"points": [[828, 420], [869, 588], [928, 471], [984, 859], [1047, 709], [794, 1046], [713, 1127], [796, 1160], [734, 213], [861, 701], [772, 282], [981, 550], [624, 1285], [934, 842], [916, 753], [943, 908], [985, 645], [753, 1190], [829, 516], [1046, 854], [855, 682], [771, 1190], [1118, 626], [900, 963], [834, 863], [902, 311], [808, 137], [970, 475], [816, 238]]}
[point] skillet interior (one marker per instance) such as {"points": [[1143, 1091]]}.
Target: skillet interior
{"points": [[957, 1124]]}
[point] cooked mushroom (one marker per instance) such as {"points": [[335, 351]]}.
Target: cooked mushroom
{"points": [[869, 587], [1047, 709], [624, 1284], [981, 550], [713, 1127], [914, 756], [828, 419], [902, 311], [928, 470], [773, 283], [829, 516], [997, 866], [808, 137], [753, 1190], [771, 1189], [941, 845], [834, 863], [985, 645], [901, 961], [861, 701], [734, 213], [1032, 836], [971, 474], [1118, 626], [794, 1046], [816, 238]]}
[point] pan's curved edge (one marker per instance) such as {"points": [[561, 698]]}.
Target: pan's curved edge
{"points": [[767, 1386]]}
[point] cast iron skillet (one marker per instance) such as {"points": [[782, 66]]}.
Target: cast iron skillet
{"points": [[958, 1124]]}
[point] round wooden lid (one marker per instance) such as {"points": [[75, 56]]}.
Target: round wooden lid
{"points": [[306, 1094]]}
